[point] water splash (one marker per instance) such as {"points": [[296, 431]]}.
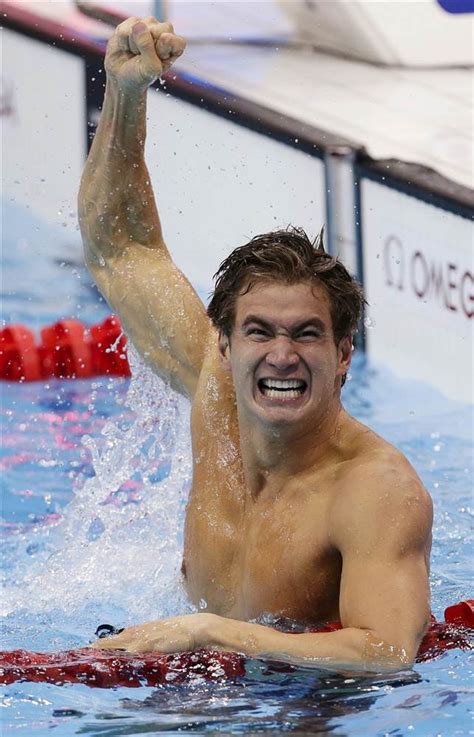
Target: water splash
{"points": [[120, 539]]}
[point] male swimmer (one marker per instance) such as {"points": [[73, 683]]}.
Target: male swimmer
{"points": [[296, 509]]}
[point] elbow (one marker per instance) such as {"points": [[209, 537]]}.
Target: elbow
{"points": [[99, 267], [96, 230], [381, 656], [86, 209], [92, 260]]}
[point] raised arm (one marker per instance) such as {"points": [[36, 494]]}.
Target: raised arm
{"points": [[123, 241]]}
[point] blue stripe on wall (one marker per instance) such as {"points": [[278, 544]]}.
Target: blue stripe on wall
{"points": [[457, 6]]}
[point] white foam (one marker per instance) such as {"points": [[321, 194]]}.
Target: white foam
{"points": [[124, 556]]}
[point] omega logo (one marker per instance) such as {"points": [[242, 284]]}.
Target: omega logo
{"points": [[428, 278]]}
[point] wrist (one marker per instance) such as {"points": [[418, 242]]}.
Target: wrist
{"points": [[122, 121], [206, 629], [223, 633], [126, 101], [122, 91]]}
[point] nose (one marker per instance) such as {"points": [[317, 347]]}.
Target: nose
{"points": [[282, 354]]}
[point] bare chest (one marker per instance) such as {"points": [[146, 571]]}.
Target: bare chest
{"points": [[247, 558]]}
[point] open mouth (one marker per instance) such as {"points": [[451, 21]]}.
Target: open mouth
{"points": [[282, 388]]}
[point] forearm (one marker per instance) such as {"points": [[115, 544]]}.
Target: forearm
{"points": [[346, 649], [116, 201]]}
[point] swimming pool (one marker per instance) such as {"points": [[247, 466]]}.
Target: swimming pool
{"points": [[95, 476]]}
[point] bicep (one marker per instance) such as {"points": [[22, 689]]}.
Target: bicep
{"points": [[387, 597], [385, 569], [160, 311]]}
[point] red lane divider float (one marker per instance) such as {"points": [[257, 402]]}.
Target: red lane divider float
{"points": [[461, 614], [111, 668], [68, 350]]}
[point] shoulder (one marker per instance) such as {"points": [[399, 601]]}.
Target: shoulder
{"points": [[382, 500], [377, 474]]}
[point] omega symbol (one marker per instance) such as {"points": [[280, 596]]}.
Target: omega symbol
{"points": [[394, 262]]}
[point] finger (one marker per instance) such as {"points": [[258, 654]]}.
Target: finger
{"points": [[122, 33], [157, 28], [108, 643], [170, 46], [131, 646], [150, 63]]}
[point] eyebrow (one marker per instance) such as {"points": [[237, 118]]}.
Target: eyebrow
{"points": [[311, 322]]}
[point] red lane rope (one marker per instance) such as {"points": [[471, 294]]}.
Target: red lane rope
{"points": [[107, 669], [67, 350]]}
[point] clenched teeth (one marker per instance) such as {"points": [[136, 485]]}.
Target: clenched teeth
{"points": [[283, 393], [282, 388]]}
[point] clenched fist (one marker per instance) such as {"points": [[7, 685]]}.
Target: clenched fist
{"points": [[140, 50]]}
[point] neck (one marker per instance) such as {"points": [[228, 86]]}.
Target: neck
{"points": [[273, 454]]}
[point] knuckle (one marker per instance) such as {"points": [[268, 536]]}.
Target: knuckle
{"points": [[126, 25]]}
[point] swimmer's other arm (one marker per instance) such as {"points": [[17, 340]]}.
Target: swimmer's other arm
{"points": [[123, 241], [384, 599]]}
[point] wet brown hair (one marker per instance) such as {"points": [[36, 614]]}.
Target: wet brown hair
{"points": [[288, 256]]}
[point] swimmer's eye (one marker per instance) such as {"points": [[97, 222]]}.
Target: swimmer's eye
{"points": [[306, 335], [258, 333], [310, 334]]}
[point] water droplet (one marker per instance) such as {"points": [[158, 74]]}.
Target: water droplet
{"points": [[96, 528]]}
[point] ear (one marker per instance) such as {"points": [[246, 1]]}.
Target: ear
{"points": [[224, 351], [344, 355]]}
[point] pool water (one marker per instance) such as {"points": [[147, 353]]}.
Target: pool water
{"points": [[95, 480], [95, 476]]}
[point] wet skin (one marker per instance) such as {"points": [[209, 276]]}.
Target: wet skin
{"points": [[270, 551], [296, 509]]}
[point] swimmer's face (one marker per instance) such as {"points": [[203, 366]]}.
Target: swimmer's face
{"points": [[282, 355]]}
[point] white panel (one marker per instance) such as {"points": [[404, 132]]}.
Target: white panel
{"points": [[406, 33], [230, 20], [140, 8], [422, 116], [418, 274], [218, 184], [43, 128]]}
